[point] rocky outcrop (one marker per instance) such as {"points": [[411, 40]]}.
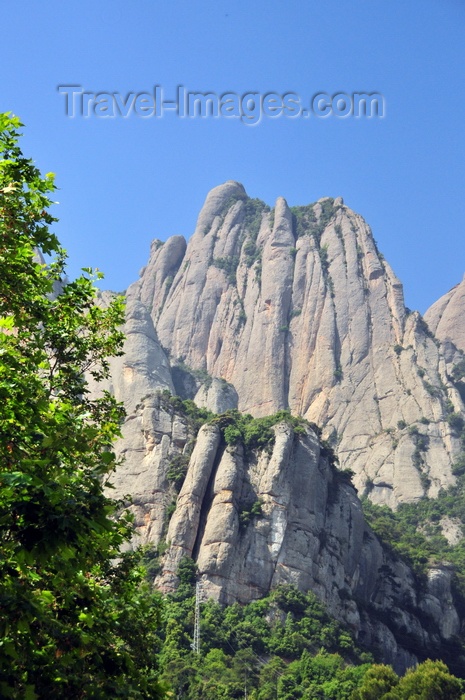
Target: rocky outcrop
{"points": [[253, 519], [153, 437], [153, 434], [296, 308], [143, 368], [217, 396], [446, 317], [265, 310]]}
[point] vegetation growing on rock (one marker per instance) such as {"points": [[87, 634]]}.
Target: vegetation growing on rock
{"points": [[414, 531]]}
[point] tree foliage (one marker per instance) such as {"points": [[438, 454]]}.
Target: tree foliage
{"points": [[283, 644], [72, 605], [414, 532], [430, 680], [283, 647]]}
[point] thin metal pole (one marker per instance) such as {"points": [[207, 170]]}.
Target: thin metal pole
{"points": [[196, 640]]}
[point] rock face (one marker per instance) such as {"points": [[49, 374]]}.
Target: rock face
{"points": [[297, 309], [151, 435], [290, 309], [446, 318], [216, 395], [308, 530]]}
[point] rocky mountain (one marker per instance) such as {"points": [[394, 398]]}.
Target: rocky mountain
{"points": [[293, 309], [298, 309], [446, 317], [256, 518], [253, 518]]}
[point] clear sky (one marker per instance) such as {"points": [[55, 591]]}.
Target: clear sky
{"points": [[124, 182]]}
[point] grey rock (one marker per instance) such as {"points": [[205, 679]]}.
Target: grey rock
{"points": [[151, 433], [311, 319], [266, 311], [451, 529], [310, 533], [144, 367], [446, 317], [217, 396]]}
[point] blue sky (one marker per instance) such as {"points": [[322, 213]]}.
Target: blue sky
{"points": [[124, 182]]}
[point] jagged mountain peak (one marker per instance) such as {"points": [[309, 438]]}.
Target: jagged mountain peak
{"points": [[296, 308], [293, 308], [215, 202]]}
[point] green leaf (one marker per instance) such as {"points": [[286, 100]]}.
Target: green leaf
{"points": [[86, 618], [29, 693], [7, 322], [15, 479], [46, 596]]}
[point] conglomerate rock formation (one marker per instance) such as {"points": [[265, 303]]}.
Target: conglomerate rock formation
{"points": [[446, 317], [297, 309], [308, 531], [264, 310]]}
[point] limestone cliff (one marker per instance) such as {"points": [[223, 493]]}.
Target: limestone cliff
{"points": [[296, 308]]}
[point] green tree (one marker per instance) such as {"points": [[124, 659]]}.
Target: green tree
{"points": [[269, 678], [179, 663], [73, 607], [430, 680], [377, 683]]}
